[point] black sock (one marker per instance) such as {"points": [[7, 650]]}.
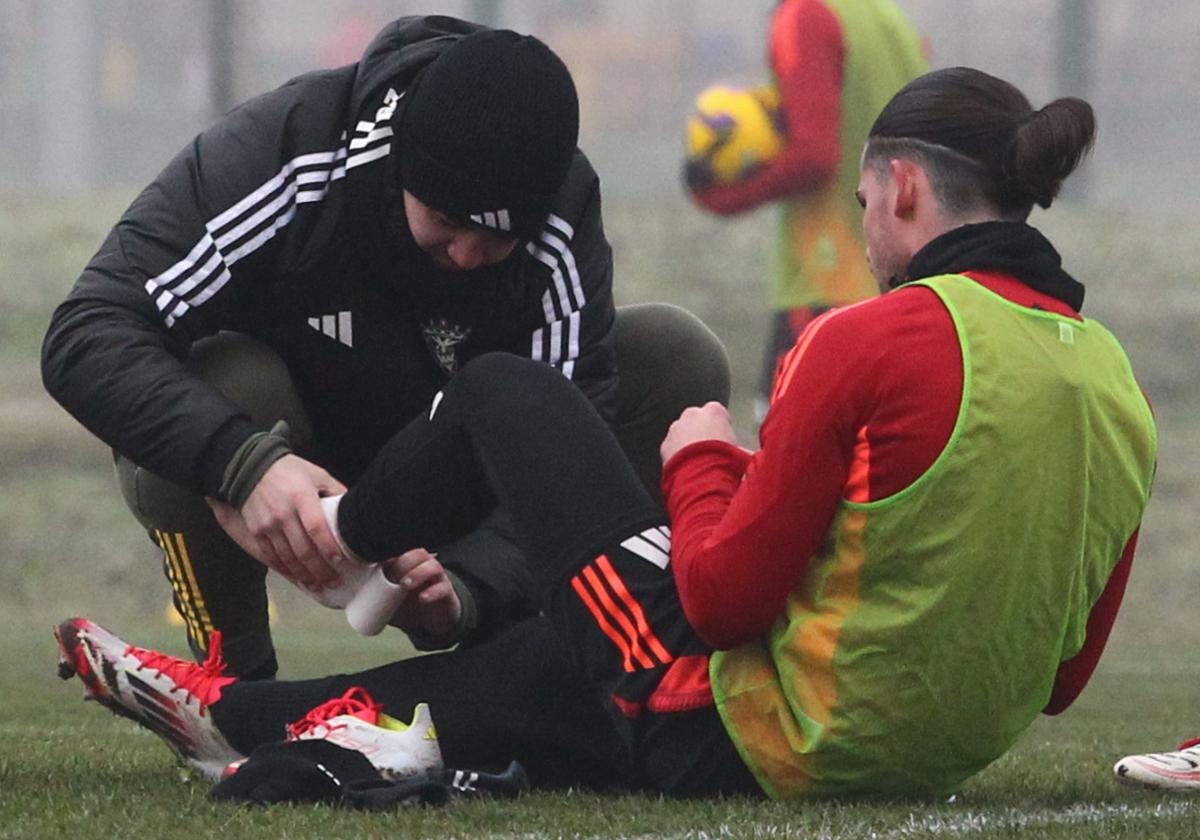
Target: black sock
{"points": [[251, 713]]}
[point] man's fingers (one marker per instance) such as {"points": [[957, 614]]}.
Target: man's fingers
{"points": [[421, 576], [398, 567], [436, 590], [284, 559], [305, 556], [234, 524], [312, 520]]}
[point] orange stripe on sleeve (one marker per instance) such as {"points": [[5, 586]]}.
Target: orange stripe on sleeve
{"points": [[788, 368], [858, 484]]}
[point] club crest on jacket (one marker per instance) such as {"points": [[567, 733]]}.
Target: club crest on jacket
{"points": [[443, 337]]}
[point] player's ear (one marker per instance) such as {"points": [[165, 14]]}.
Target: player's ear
{"points": [[907, 177]]}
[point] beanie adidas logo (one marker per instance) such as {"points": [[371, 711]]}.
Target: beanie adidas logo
{"points": [[497, 220], [337, 327]]}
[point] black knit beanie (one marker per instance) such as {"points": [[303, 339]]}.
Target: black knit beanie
{"points": [[490, 131]]}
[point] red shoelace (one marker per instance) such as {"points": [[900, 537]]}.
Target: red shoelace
{"points": [[204, 682], [356, 702], [1195, 742]]}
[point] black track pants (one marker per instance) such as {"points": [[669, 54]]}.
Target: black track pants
{"points": [[667, 358], [613, 676]]}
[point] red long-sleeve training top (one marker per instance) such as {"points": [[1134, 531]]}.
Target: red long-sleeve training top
{"points": [[745, 526]]}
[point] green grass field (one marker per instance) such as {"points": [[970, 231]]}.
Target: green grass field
{"points": [[72, 770], [67, 547]]}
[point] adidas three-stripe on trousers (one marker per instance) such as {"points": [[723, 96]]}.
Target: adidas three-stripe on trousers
{"points": [[611, 674]]}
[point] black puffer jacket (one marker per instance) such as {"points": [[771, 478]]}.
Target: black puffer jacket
{"points": [[285, 221]]}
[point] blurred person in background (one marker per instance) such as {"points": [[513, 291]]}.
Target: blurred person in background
{"points": [[304, 276], [835, 64], [927, 551]]}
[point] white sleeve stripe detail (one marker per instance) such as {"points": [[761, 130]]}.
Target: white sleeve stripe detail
{"points": [[211, 289], [178, 311], [560, 288], [181, 291], [568, 260], [573, 336], [556, 339], [560, 302], [370, 137], [188, 263], [256, 219], [542, 256], [649, 552], [204, 273], [221, 220], [551, 303], [283, 204], [565, 304], [313, 176], [561, 224], [368, 156], [263, 236], [293, 188], [185, 264]]}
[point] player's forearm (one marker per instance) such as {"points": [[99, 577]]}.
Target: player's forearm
{"points": [[794, 172], [729, 594]]}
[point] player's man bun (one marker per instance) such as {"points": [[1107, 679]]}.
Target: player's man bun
{"points": [[1048, 147], [989, 135]]}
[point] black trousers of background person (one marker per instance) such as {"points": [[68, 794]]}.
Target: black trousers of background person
{"points": [[514, 432], [667, 358]]}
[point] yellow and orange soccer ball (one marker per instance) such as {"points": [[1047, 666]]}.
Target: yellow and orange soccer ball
{"points": [[732, 133]]}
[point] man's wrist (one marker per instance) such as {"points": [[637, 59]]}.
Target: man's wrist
{"points": [[251, 461]]}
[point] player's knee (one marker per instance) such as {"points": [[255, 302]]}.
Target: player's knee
{"points": [[504, 377], [255, 377], [660, 345]]}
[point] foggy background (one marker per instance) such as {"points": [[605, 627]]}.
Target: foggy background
{"points": [[97, 92], [97, 95]]}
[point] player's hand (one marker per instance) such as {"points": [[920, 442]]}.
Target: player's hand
{"points": [[282, 525], [698, 175], [431, 605], [707, 422]]}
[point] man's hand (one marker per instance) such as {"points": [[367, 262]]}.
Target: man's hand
{"points": [[282, 524], [707, 422], [431, 604]]}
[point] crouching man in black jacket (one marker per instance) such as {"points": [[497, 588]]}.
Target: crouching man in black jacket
{"points": [[306, 275]]}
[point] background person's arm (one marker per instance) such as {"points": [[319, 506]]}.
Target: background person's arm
{"points": [[807, 55]]}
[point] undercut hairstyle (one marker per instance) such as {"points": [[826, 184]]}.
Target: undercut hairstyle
{"points": [[981, 142]]}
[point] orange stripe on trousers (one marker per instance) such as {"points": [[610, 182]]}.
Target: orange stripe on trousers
{"points": [[635, 609], [607, 628], [614, 612]]}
